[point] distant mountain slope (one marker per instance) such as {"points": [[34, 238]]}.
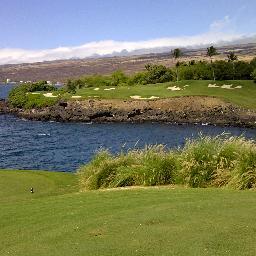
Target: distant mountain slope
{"points": [[60, 70]]}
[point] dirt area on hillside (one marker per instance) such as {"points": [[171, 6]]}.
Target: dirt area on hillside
{"points": [[189, 109]]}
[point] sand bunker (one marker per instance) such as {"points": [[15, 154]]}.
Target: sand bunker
{"points": [[35, 93], [49, 95], [76, 96], [212, 85], [174, 88], [227, 86], [137, 97], [96, 89], [109, 89], [186, 85]]}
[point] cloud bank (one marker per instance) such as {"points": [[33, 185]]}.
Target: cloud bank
{"points": [[219, 31]]}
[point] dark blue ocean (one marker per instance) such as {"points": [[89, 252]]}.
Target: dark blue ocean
{"points": [[65, 146]]}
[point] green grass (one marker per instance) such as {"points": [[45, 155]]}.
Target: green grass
{"points": [[219, 161], [57, 220], [15, 185], [244, 97]]}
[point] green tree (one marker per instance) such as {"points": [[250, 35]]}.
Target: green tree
{"points": [[176, 54], [232, 57], [71, 86], [118, 77], [211, 51]]}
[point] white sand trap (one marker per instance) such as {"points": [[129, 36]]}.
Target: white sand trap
{"points": [[137, 97], [96, 96], [174, 88], [109, 89], [227, 86], [238, 87], [76, 96], [35, 93], [49, 95], [212, 86], [96, 89], [186, 85]]}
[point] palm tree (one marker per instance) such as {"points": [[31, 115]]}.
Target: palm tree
{"points": [[232, 58], [176, 54], [211, 51]]}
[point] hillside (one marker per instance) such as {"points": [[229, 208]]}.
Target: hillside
{"points": [[62, 69]]}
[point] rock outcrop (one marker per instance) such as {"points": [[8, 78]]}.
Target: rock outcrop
{"points": [[191, 109]]}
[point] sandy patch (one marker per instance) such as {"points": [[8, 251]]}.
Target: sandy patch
{"points": [[109, 89], [186, 85], [76, 97], [227, 86], [212, 86], [174, 88], [35, 93], [137, 97], [49, 95], [96, 89]]}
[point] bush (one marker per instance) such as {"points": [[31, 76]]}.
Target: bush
{"points": [[253, 75], [219, 161], [243, 70], [223, 70], [150, 166], [21, 97], [195, 71]]}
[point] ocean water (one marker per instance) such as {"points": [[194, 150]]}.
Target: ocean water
{"points": [[65, 146], [5, 89]]}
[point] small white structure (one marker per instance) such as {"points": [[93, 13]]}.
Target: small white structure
{"points": [[8, 80]]}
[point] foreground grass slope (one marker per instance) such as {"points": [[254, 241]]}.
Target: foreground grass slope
{"points": [[56, 220], [244, 96]]}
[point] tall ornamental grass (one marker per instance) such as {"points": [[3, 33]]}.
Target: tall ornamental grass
{"points": [[219, 161]]}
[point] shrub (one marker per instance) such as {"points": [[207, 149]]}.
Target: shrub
{"points": [[198, 161], [253, 75], [243, 70], [208, 161], [21, 96], [149, 166]]}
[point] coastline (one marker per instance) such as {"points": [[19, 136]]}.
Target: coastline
{"points": [[180, 110]]}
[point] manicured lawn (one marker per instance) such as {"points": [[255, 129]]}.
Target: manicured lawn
{"points": [[244, 97], [57, 220], [15, 185]]}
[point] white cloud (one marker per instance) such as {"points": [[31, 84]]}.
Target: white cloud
{"points": [[219, 31], [221, 25]]}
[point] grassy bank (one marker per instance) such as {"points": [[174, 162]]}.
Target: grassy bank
{"points": [[219, 161], [243, 97], [56, 220]]}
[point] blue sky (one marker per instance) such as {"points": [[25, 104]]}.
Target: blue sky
{"points": [[33, 25]]}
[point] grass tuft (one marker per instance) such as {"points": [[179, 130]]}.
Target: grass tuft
{"points": [[219, 161]]}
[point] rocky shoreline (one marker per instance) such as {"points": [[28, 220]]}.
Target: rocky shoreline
{"points": [[190, 109]]}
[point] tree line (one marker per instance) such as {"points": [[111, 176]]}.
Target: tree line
{"points": [[230, 69]]}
